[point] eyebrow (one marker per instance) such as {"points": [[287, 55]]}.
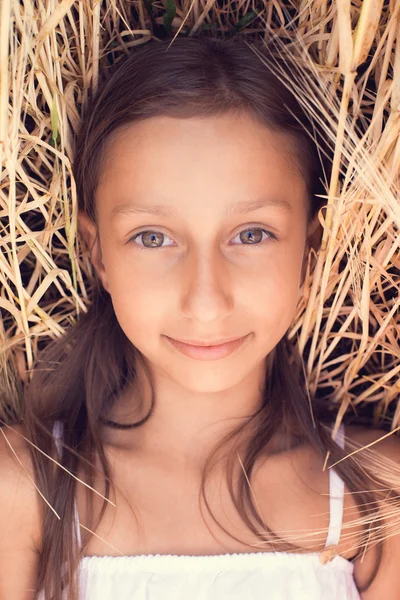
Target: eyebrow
{"points": [[237, 208]]}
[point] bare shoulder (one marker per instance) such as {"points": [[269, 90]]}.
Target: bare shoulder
{"points": [[19, 516], [295, 488], [385, 442], [15, 464], [386, 583]]}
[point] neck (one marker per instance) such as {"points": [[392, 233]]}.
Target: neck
{"points": [[185, 425]]}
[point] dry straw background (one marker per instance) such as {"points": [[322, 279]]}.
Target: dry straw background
{"points": [[347, 323]]}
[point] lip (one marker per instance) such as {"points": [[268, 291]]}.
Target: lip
{"points": [[214, 352], [192, 342]]}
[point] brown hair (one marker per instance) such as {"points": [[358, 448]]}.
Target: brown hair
{"points": [[77, 378]]}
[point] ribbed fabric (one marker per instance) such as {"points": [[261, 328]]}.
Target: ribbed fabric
{"points": [[247, 576]]}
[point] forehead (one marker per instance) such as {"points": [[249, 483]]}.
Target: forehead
{"points": [[217, 159]]}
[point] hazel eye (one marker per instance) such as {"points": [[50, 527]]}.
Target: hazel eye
{"points": [[151, 237], [248, 235]]}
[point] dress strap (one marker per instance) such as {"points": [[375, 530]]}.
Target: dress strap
{"points": [[336, 494], [77, 526], [58, 429], [57, 435]]}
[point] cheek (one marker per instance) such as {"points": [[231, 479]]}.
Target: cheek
{"points": [[275, 294], [275, 300], [139, 304], [278, 271]]}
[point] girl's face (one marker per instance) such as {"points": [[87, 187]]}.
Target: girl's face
{"points": [[185, 251]]}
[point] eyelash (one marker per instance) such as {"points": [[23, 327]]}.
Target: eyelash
{"points": [[269, 233]]}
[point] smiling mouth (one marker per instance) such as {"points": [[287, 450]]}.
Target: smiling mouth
{"points": [[207, 343], [214, 352]]}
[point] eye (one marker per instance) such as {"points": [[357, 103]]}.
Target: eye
{"points": [[151, 237], [251, 235], [248, 235]]}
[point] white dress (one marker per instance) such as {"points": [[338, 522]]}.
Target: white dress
{"points": [[247, 576]]}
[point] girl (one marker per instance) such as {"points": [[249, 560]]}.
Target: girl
{"points": [[178, 390]]}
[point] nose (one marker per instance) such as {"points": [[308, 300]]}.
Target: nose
{"points": [[207, 294]]}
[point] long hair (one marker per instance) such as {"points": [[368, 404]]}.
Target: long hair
{"points": [[77, 378]]}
